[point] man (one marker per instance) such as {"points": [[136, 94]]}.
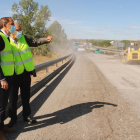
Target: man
{"points": [[6, 70], [24, 67]]}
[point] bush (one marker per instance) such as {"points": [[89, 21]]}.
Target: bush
{"points": [[104, 43], [41, 50]]}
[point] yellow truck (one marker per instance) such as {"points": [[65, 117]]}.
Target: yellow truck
{"points": [[131, 54]]}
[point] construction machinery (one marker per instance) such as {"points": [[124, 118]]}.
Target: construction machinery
{"points": [[131, 54]]}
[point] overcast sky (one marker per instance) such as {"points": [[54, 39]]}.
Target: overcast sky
{"points": [[91, 19]]}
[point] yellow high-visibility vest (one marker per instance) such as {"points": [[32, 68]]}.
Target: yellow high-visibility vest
{"points": [[7, 58], [22, 56]]}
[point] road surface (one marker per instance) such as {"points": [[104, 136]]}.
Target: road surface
{"points": [[96, 98]]}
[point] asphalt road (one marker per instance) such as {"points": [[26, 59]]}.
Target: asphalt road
{"points": [[96, 98]]}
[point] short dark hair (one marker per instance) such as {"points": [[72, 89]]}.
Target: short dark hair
{"points": [[4, 20]]}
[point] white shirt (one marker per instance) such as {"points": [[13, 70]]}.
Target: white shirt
{"points": [[5, 34]]}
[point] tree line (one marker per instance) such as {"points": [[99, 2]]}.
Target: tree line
{"points": [[101, 43], [106, 43]]}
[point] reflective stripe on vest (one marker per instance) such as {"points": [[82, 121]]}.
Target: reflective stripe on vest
{"points": [[7, 63], [22, 55], [25, 61], [6, 52], [21, 52]]}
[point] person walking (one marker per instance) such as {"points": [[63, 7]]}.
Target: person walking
{"points": [[6, 70], [24, 68]]}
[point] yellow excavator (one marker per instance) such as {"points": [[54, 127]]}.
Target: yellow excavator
{"points": [[131, 54]]}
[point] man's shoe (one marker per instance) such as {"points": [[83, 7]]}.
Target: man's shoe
{"points": [[29, 120], [5, 129], [11, 123], [2, 137]]}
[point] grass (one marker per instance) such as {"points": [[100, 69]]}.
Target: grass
{"points": [[40, 59]]}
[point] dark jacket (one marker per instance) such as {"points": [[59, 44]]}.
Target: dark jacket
{"points": [[31, 42]]}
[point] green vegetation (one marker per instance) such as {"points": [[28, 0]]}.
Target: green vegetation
{"points": [[41, 50], [126, 41], [33, 20], [58, 33], [101, 43]]}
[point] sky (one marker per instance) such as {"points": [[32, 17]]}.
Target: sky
{"points": [[91, 19]]}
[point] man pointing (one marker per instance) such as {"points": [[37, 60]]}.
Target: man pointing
{"points": [[24, 67]]}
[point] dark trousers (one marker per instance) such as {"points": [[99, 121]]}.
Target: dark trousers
{"points": [[4, 94], [22, 81]]}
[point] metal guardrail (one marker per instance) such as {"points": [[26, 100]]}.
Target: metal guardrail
{"points": [[37, 86], [44, 65]]}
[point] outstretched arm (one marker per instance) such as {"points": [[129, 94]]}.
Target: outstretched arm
{"points": [[35, 42]]}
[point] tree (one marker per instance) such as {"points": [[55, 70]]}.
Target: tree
{"points": [[55, 30], [31, 19], [104, 43], [125, 41], [41, 21]]}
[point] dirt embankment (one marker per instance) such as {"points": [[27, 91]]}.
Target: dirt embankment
{"points": [[40, 59]]}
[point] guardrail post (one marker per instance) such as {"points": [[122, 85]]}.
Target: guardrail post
{"points": [[47, 69], [56, 64]]}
